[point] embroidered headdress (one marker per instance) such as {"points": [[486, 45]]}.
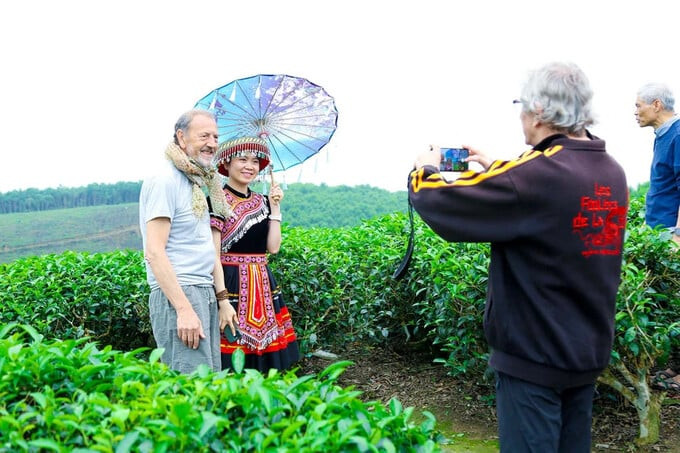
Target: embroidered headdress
{"points": [[241, 147]]}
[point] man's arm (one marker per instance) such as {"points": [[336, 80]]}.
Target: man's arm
{"points": [[189, 328], [469, 209]]}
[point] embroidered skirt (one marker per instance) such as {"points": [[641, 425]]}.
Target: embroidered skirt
{"points": [[268, 338]]}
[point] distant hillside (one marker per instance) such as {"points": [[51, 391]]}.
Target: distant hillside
{"points": [[309, 205], [89, 229], [111, 227]]}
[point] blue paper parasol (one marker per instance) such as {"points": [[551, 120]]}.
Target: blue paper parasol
{"points": [[295, 116]]}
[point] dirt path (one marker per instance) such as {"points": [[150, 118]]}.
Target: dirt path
{"points": [[464, 409]]}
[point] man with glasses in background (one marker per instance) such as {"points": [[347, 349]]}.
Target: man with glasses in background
{"points": [[654, 107]]}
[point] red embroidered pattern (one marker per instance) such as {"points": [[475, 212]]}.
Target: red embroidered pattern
{"points": [[256, 315], [600, 223]]}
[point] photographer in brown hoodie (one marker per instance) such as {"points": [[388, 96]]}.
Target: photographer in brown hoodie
{"points": [[555, 218]]}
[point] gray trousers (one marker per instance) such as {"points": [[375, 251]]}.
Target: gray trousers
{"points": [[177, 355]]}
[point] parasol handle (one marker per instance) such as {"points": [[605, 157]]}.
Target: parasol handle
{"points": [[271, 175], [276, 198]]}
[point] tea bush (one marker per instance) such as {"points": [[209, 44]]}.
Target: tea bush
{"points": [[72, 295], [339, 282], [69, 395], [647, 320], [341, 285]]}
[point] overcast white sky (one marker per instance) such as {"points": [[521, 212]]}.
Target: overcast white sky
{"points": [[90, 90]]}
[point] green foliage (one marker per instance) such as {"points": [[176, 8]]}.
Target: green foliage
{"points": [[648, 304], [451, 301], [647, 326], [638, 193], [103, 295], [68, 395], [647, 323], [339, 281], [342, 290]]}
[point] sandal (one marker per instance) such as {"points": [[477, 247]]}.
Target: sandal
{"points": [[671, 385], [664, 374]]}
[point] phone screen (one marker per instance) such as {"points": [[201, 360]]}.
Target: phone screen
{"points": [[452, 159]]}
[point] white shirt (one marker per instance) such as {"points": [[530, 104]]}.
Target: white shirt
{"points": [[190, 247]]}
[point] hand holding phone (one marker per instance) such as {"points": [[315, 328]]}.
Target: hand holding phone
{"points": [[231, 338], [453, 159]]}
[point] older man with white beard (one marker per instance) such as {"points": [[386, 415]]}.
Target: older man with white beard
{"points": [[183, 268]]}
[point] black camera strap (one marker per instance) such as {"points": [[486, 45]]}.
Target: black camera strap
{"points": [[406, 260]]}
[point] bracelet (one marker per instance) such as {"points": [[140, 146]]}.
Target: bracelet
{"points": [[222, 295], [275, 217]]}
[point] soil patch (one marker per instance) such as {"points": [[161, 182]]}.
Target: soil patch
{"points": [[464, 407]]}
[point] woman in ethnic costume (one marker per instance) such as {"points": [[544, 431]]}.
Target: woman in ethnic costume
{"points": [[252, 230]]}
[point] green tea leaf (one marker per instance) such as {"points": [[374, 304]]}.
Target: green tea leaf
{"points": [[238, 360]]}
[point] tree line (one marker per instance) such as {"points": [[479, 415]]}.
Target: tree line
{"points": [[306, 205], [30, 200]]}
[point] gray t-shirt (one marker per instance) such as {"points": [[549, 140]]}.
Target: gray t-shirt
{"points": [[189, 247]]}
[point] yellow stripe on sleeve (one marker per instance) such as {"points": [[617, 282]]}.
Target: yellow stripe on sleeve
{"points": [[471, 178]]}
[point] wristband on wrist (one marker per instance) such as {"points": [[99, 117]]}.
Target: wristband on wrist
{"points": [[222, 295], [275, 217]]}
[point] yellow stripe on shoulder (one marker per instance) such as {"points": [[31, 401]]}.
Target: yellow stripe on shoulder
{"points": [[553, 150]]}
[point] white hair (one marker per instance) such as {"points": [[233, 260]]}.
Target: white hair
{"points": [[560, 95], [653, 91]]}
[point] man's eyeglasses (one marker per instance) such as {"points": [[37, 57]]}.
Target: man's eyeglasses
{"points": [[518, 104]]}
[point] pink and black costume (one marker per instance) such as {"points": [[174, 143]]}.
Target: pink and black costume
{"points": [[268, 338]]}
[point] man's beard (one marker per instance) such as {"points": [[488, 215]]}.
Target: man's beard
{"points": [[205, 164]]}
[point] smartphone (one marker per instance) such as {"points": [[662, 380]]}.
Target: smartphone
{"points": [[231, 337], [452, 159]]}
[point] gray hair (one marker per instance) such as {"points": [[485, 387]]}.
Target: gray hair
{"points": [[653, 91], [185, 120], [560, 95]]}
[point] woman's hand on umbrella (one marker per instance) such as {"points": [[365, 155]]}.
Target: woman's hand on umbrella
{"points": [[275, 194]]}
